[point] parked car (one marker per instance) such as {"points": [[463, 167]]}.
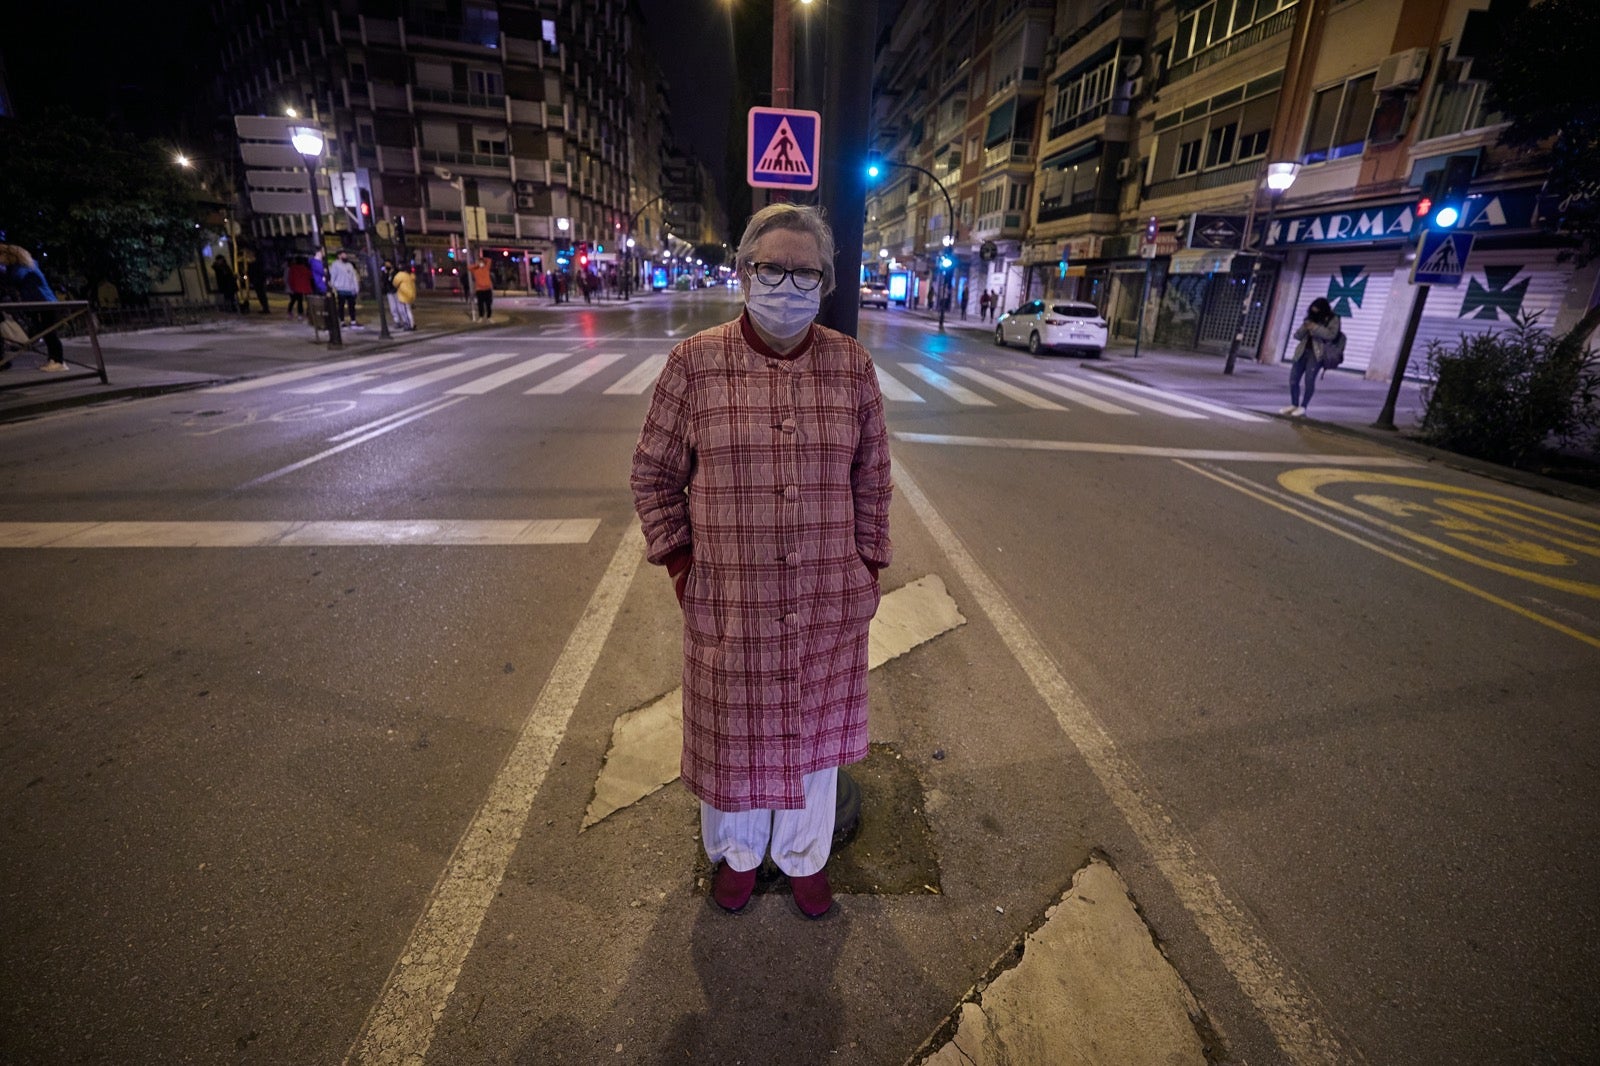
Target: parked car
{"points": [[1060, 324], [875, 295]]}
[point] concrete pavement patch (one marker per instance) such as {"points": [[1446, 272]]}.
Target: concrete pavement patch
{"points": [[1091, 988]]}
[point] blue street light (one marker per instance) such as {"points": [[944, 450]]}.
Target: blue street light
{"points": [[946, 260]]}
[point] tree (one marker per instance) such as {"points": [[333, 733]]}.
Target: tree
{"points": [[1538, 76], [95, 206]]}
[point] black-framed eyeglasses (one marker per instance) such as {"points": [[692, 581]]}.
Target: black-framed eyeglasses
{"points": [[772, 274]]}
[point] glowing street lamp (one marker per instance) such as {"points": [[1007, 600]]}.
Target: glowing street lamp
{"points": [[308, 141]]}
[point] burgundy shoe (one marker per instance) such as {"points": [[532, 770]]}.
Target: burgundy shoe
{"points": [[731, 888], [812, 894]]}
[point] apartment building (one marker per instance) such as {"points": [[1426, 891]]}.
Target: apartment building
{"points": [[541, 114], [1121, 159]]}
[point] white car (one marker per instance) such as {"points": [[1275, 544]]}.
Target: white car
{"points": [[1054, 324]]}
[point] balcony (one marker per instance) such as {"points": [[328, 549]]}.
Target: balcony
{"points": [[1014, 153], [480, 160], [1232, 46], [456, 98], [998, 224], [1210, 179]]}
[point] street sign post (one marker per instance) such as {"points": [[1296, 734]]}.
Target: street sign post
{"points": [[785, 147], [1441, 258]]}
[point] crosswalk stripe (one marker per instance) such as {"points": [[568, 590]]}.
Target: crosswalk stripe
{"points": [[568, 378], [274, 380], [1007, 389], [640, 377], [895, 389], [1093, 403], [959, 393], [1126, 397], [1203, 405], [346, 380], [479, 386], [395, 388]]}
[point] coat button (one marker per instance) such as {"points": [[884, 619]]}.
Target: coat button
{"points": [[790, 492], [788, 425], [793, 558], [791, 620]]}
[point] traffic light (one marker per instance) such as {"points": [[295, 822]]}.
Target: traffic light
{"points": [[583, 255], [874, 166], [945, 262], [1151, 229], [1443, 203], [364, 212]]}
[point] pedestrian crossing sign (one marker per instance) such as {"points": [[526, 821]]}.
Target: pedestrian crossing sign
{"points": [[1441, 258], [784, 147]]}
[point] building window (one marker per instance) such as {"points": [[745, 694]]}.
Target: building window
{"points": [[485, 83], [548, 33], [1213, 22], [1457, 104], [1188, 157], [1220, 143], [1340, 116]]}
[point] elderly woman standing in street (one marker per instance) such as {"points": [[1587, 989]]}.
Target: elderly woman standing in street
{"points": [[762, 480]]}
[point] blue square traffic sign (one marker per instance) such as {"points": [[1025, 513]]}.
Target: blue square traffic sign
{"points": [[784, 148], [1441, 258]]}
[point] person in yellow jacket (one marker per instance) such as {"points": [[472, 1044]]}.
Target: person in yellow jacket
{"points": [[405, 294]]}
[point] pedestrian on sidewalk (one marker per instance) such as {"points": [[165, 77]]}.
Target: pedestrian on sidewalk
{"points": [[21, 279], [319, 274], [346, 285], [405, 294], [227, 283], [985, 302], [482, 286], [297, 279], [1317, 336], [256, 272], [774, 551]]}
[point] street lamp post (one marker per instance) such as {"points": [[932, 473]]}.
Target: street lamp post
{"points": [[308, 142], [874, 169], [1279, 177], [627, 246]]}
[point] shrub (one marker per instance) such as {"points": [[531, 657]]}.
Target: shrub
{"points": [[1506, 396]]}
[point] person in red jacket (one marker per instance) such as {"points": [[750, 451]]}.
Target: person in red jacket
{"points": [[297, 278], [482, 286]]}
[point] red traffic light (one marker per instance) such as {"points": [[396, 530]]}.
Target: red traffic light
{"points": [[1424, 205]]}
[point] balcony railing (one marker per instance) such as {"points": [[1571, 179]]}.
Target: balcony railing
{"points": [[1210, 179], [1005, 154], [1268, 27], [456, 98], [466, 159]]}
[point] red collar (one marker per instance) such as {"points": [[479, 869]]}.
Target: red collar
{"points": [[752, 338]]}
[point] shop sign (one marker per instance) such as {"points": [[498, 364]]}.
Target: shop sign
{"points": [[1216, 231], [1486, 213]]}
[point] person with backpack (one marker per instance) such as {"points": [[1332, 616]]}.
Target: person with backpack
{"points": [[1321, 348]]}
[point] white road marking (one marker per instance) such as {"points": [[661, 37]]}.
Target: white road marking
{"points": [[640, 377], [1151, 451], [367, 427], [274, 380], [426, 531], [365, 376], [395, 388], [1203, 405], [647, 743], [1022, 396], [1093, 403], [959, 393], [504, 377], [1304, 1036], [568, 378], [337, 448], [895, 389], [1153, 404], [401, 1024]]}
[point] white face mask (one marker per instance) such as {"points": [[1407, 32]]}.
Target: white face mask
{"points": [[782, 310]]}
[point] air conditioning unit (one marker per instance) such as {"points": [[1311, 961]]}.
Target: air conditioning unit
{"points": [[1124, 169], [1401, 70]]}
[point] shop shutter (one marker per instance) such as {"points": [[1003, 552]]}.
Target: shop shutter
{"points": [[1497, 285], [1357, 285]]}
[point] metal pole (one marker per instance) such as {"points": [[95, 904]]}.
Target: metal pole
{"points": [[1144, 297], [377, 285], [1250, 289], [1386, 416], [851, 29], [330, 304]]}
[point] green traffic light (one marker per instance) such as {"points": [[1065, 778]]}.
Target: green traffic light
{"points": [[873, 170]]}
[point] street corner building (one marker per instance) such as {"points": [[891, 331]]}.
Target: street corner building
{"points": [[775, 474]]}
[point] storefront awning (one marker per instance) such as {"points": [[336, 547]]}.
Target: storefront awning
{"points": [[1076, 154], [1200, 261], [1000, 123]]}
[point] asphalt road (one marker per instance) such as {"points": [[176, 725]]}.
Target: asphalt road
{"points": [[290, 792]]}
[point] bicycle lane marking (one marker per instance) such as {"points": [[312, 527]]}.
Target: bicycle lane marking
{"points": [[1304, 481]]}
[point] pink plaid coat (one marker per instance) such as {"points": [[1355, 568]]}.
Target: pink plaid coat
{"points": [[774, 472]]}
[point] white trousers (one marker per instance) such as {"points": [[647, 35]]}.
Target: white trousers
{"points": [[800, 840]]}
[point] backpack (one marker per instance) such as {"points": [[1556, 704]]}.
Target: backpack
{"points": [[1333, 351]]}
